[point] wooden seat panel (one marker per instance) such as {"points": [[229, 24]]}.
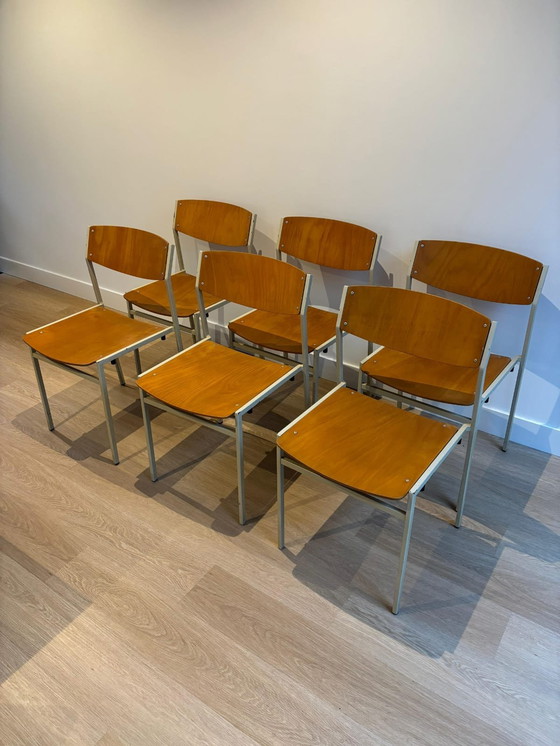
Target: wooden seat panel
{"points": [[366, 444], [210, 380], [153, 297], [89, 336], [283, 333], [430, 379]]}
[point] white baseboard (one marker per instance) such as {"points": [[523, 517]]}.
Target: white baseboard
{"points": [[80, 288], [533, 434]]}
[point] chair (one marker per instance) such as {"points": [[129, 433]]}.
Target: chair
{"points": [[99, 335], [214, 222], [328, 243], [208, 382], [369, 448], [472, 271]]}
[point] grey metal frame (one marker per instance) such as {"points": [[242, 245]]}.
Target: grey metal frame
{"points": [[113, 358], [311, 393]]}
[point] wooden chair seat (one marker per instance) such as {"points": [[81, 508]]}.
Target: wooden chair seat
{"points": [[210, 380], [153, 297], [89, 336], [283, 333], [367, 445], [429, 379]]}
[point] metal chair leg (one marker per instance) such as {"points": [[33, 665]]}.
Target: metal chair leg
{"points": [[316, 373], [149, 436], [512, 408], [240, 468], [407, 530], [306, 380], [118, 366], [108, 415], [42, 391], [280, 496], [137, 362], [465, 477]]}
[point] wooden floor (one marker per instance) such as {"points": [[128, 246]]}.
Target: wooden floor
{"points": [[141, 613]]}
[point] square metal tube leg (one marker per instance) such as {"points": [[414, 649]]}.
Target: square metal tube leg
{"points": [[280, 496], [407, 530], [108, 415], [42, 391], [149, 437], [240, 467]]}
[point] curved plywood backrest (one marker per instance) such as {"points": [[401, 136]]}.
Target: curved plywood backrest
{"points": [[476, 271], [128, 250], [416, 323], [330, 243], [252, 280], [215, 222]]}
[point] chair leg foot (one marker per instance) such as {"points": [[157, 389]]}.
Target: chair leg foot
{"points": [[108, 415]]}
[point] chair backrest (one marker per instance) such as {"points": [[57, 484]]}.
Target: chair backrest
{"points": [[214, 222], [416, 323], [253, 280], [330, 243], [475, 271], [128, 250]]}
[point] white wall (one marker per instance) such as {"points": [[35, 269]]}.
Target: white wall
{"points": [[417, 118]]}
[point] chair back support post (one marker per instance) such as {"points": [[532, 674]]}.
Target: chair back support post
{"points": [[250, 240], [408, 281], [339, 355], [200, 299], [374, 259], [531, 320], [304, 338], [180, 260], [171, 297], [278, 249], [339, 336], [94, 281]]}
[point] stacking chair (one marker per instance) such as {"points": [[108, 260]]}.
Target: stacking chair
{"points": [[214, 222], [98, 335], [472, 271], [328, 243], [370, 448], [209, 382]]}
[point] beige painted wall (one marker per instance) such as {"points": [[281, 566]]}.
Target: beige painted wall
{"points": [[418, 118]]}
